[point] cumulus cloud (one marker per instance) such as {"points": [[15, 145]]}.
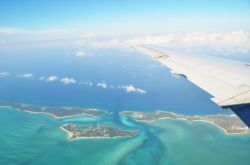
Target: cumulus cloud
{"points": [[236, 42], [68, 81], [221, 42], [4, 74], [130, 88], [127, 88], [192, 38], [110, 43], [52, 78], [89, 34], [26, 75], [102, 84], [81, 54], [224, 42]]}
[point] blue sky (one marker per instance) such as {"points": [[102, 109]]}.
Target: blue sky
{"points": [[130, 16]]}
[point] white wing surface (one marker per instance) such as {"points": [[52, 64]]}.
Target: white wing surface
{"points": [[226, 80]]}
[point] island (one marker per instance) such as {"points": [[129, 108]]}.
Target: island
{"points": [[231, 124], [95, 131], [56, 112]]}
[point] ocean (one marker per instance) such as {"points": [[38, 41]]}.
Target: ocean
{"points": [[113, 80], [36, 139], [114, 67]]}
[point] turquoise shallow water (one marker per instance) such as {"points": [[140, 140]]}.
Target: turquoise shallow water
{"points": [[36, 139], [201, 143]]}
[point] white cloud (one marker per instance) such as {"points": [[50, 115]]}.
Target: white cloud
{"points": [[26, 75], [236, 42], [102, 84], [40, 37], [68, 81], [89, 34], [52, 78], [4, 74], [6, 31], [223, 42], [81, 54], [131, 88], [55, 32], [109, 43]]}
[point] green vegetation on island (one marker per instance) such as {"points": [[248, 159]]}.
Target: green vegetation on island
{"points": [[57, 112], [95, 131], [231, 124]]}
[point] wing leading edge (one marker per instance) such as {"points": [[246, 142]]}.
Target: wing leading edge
{"points": [[226, 80]]}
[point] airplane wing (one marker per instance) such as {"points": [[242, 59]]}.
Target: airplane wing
{"points": [[226, 80]]}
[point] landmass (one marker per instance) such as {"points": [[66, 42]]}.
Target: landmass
{"points": [[56, 112], [96, 131], [75, 131], [231, 124]]}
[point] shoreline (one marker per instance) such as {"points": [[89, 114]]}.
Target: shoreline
{"points": [[59, 117], [208, 122], [185, 119], [50, 114], [138, 116], [213, 123], [70, 134]]}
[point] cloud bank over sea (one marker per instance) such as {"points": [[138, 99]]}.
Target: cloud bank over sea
{"points": [[226, 43]]}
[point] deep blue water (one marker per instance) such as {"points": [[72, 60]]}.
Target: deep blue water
{"points": [[115, 67]]}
